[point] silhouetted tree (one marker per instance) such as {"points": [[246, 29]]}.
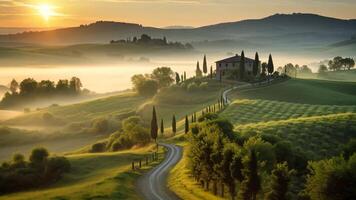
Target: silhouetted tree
{"points": [[14, 86], [162, 127], [163, 75], [186, 127], [154, 125], [177, 78], [270, 66], [322, 69], [255, 65], [242, 65], [198, 72], [205, 65], [28, 86], [75, 84], [174, 125], [211, 72], [264, 69], [185, 76]]}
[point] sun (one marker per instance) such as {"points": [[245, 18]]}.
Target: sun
{"points": [[46, 11]]}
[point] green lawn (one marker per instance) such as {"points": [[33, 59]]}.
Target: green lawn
{"points": [[94, 176], [304, 91], [347, 75]]}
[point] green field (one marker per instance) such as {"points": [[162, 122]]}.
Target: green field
{"points": [[304, 91], [94, 176]]}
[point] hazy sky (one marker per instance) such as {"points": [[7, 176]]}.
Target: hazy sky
{"points": [[60, 13]]}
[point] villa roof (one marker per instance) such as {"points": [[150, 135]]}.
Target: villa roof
{"points": [[234, 59]]}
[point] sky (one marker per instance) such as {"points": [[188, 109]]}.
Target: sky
{"points": [[159, 13]]}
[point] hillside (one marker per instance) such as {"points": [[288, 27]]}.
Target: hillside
{"points": [[305, 27]]}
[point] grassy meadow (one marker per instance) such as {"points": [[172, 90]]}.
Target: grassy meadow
{"points": [[94, 176]]}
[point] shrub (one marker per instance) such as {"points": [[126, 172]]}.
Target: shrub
{"points": [[98, 147]]}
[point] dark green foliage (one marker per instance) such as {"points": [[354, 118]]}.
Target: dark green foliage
{"points": [[154, 125], [270, 65], [205, 65], [186, 125], [264, 69], [98, 147], [40, 171], [198, 72], [242, 66], [211, 72], [349, 149], [255, 65], [207, 117], [251, 184], [163, 76], [332, 179], [280, 180], [178, 78], [185, 76], [162, 127], [174, 125]]}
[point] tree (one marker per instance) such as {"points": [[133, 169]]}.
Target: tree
{"points": [[38, 158], [46, 87], [349, 63], [14, 86], [305, 70], [251, 184], [144, 85], [255, 65], [332, 179], [322, 69], [242, 65], [185, 76], [205, 65], [211, 72], [280, 180], [270, 66], [154, 125], [264, 69], [163, 76], [186, 127], [177, 78], [62, 86], [336, 63], [162, 127], [226, 172], [75, 84], [28, 86], [174, 125], [198, 72]]}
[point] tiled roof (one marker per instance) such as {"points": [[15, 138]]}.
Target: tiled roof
{"points": [[235, 58]]}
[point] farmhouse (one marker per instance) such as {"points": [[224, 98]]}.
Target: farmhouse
{"points": [[223, 67]]}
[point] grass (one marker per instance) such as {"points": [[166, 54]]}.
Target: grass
{"points": [[304, 91], [94, 176]]}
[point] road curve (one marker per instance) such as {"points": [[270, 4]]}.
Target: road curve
{"points": [[153, 185]]}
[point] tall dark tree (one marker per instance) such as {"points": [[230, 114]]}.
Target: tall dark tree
{"points": [[198, 72], [270, 66], [211, 72], [154, 125], [162, 127], [186, 127], [181, 78], [242, 65], [255, 65], [280, 180], [177, 78], [174, 125], [185, 76], [205, 65], [251, 184], [264, 69]]}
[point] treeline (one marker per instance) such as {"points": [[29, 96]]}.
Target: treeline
{"points": [[146, 40], [265, 166], [294, 70], [29, 88], [338, 63], [40, 170]]}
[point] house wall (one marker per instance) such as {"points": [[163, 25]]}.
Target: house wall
{"points": [[231, 66]]}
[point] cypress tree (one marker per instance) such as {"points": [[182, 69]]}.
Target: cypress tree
{"points": [[174, 125], [205, 66], [177, 78], [211, 72], [162, 127], [279, 182], [242, 65], [182, 78], [186, 128], [270, 66], [192, 119], [198, 72], [185, 76], [255, 64], [195, 117], [154, 125], [251, 185]]}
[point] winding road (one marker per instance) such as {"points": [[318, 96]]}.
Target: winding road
{"points": [[153, 185]]}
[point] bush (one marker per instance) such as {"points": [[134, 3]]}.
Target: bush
{"points": [[98, 147]]}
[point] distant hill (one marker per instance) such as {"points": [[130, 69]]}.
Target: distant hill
{"points": [[278, 29]]}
